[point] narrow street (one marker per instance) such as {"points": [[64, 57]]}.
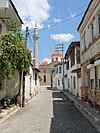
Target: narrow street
{"points": [[50, 112]]}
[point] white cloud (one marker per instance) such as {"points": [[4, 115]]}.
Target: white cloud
{"points": [[56, 20], [47, 59], [72, 14], [62, 37], [49, 26], [38, 11]]}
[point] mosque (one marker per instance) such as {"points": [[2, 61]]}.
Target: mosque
{"points": [[45, 75]]}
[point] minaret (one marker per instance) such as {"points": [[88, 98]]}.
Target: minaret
{"points": [[36, 45]]}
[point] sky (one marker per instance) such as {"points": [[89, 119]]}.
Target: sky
{"points": [[57, 21]]}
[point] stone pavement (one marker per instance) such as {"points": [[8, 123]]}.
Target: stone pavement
{"points": [[89, 112], [6, 113], [50, 112]]}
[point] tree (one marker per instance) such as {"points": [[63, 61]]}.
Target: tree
{"points": [[13, 53]]}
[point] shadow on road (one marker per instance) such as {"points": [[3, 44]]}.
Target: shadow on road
{"points": [[56, 95], [67, 119]]}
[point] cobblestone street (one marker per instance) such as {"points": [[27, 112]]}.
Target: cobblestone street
{"points": [[50, 112]]}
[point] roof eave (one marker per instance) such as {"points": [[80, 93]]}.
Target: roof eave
{"points": [[16, 11], [84, 15]]}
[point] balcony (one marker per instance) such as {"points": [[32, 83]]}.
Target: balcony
{"points": [[76, 68]]}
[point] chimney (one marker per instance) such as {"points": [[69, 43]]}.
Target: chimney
{"points": [[36, 65]]}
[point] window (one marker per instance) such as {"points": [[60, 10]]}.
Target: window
{"points": [[68, 83], [44, 78], [67, 65], [99, 84], [56, 59], [84, 40], [74, 81], [62, 80], [58, 82], [52, 59], [92, 84], [71, 81], [35, 79], [73, 57], [99, 22], [60, 69], [92, 30], [78, 56], [56, 70]]}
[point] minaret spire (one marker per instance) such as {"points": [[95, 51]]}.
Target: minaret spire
{"points": [[36, 45]]}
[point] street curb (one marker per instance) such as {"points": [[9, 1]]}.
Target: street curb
{"points": [[7, 113], [83, 110]]}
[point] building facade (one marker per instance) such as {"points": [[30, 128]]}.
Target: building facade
{"points": [[32, 85], [46, 69], [58, 76], [89, 29], [72, 69]]}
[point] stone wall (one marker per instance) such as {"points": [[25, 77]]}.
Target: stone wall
{"points": [[12, 86]]}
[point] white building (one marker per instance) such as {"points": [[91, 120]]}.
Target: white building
{"points": [[89, 29], [56, 56], [72, 69], [58, 76], [32, 85]]}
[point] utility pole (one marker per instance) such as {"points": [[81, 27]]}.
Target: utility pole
{"points": [[60, 47], [23, 74], [27, 33]]}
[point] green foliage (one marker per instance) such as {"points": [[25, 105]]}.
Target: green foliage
{"points": [[13, 53], [40, 79]]}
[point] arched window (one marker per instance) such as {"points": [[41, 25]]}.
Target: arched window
{"points": [[44, 78], [56, 59]]}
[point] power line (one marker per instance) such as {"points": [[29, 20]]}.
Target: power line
{"points": [[68, 14], [28, 14], [63, 21], [31, 42], [56, 13], [32, 27], [53, 25]]}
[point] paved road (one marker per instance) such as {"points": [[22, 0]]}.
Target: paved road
{"points": [[50, 112]]}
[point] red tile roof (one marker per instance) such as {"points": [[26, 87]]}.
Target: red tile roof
{"points": [[44, 63], [57, 54]]}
